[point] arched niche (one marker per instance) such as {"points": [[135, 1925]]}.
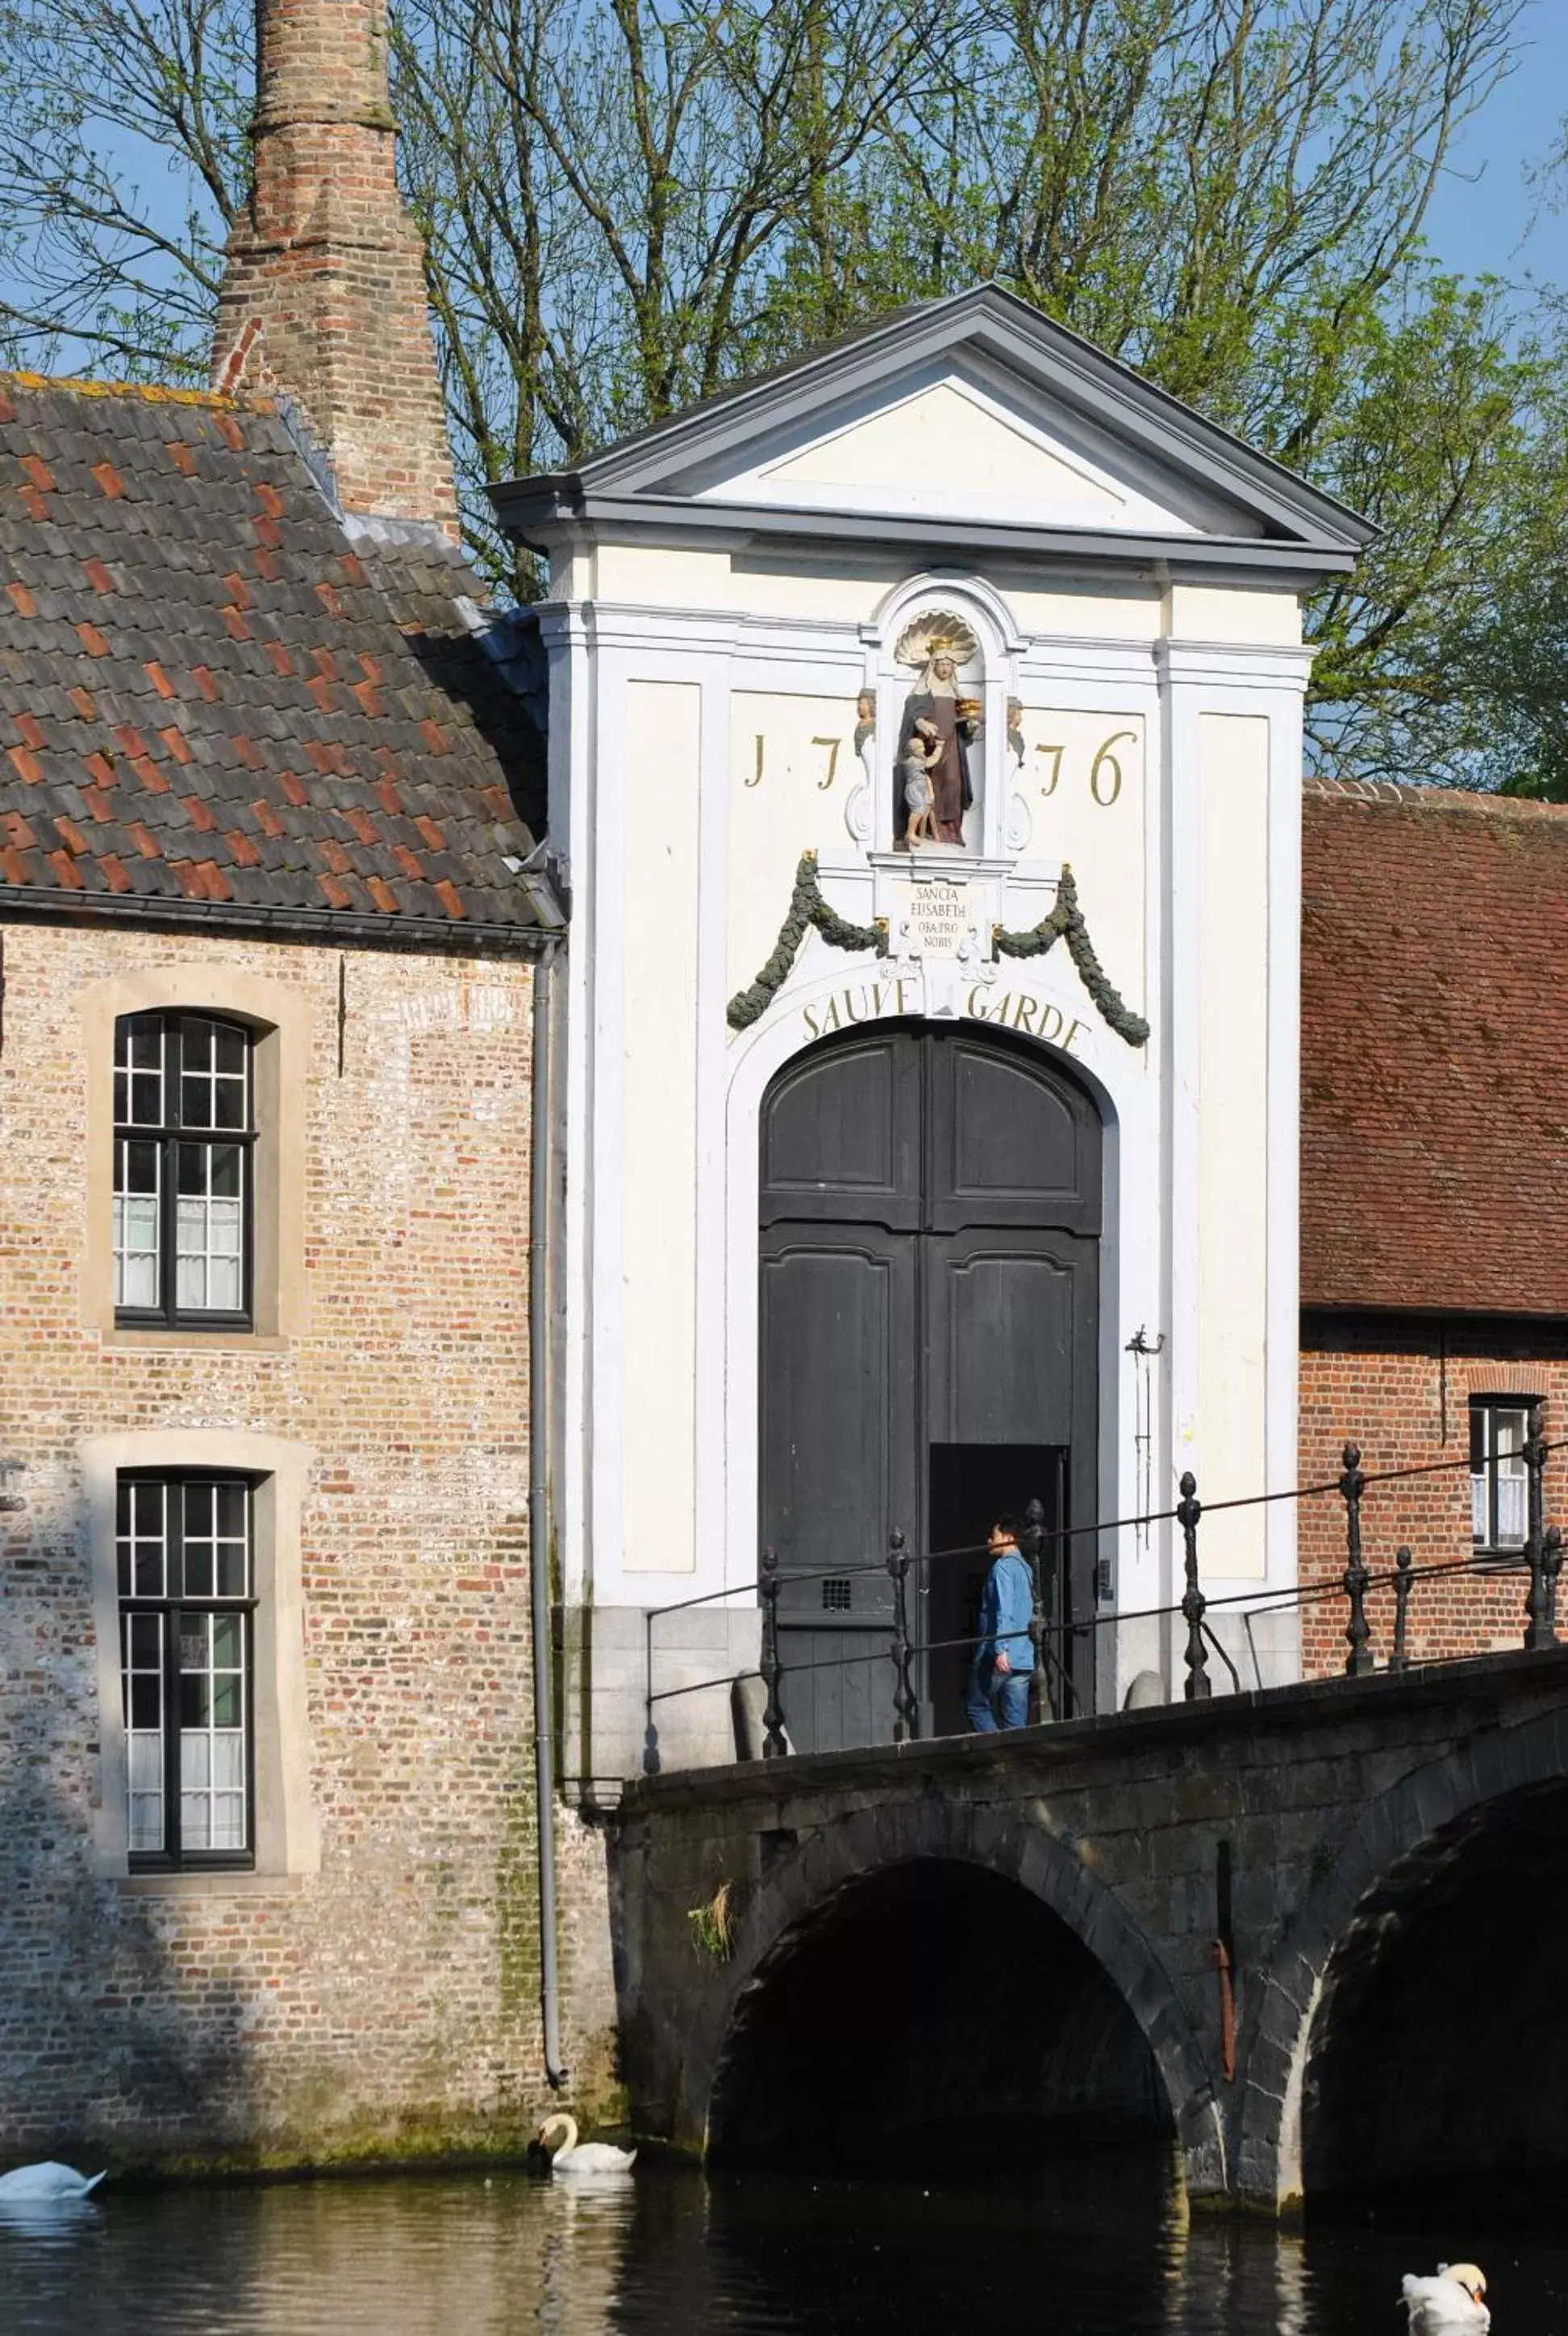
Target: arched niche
{"points": [[942, 650]]}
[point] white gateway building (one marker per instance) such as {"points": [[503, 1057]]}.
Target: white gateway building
{"points": [[925, 744]]}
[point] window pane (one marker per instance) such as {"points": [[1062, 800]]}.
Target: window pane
{"points": [[214, 1075], [209, 1229], [141, 1675], [138, 1162], [227, 1821], [212, 1745], [226, 1175], [218, 1543], [1509, 1440], [223, 1285], [146, 1821], [1478, 1532], [141, 1539], [137, 1227], [139, 1047], [1511, 1510]]}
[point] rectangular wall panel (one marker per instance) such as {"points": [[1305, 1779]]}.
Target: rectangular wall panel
{"points": [[659, 916], [1232, 1139]]}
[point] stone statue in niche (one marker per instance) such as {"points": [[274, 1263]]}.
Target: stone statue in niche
{"points": [[942, 721]]}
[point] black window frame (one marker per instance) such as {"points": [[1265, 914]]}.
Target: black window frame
{"points": [[1484, 1451], [173, 1857], [168, 1137]]}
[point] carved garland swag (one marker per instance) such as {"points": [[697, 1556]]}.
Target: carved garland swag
{"points": [[807, 908]]}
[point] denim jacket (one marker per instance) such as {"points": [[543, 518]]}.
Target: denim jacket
{"points": [[1007, 1603]]}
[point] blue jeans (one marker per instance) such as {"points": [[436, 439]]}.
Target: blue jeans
{"points": [[997, 1699]]}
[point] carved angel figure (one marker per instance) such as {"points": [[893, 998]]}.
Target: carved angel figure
{"points": [[940, 644]]}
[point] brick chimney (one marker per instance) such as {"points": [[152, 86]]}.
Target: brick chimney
{"points": [[323, 296]]}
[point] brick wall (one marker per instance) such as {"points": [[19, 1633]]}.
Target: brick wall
{"points": [[323, 296], [387, 2002], [1401, 1389]]}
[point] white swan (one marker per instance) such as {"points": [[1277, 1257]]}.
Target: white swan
{"points": [[41, 2186], [1450, 2304], [586, 2159]]}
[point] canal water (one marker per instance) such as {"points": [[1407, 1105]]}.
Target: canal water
{"points": [[1091, 2249]]}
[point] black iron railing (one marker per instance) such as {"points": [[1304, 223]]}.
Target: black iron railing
{"points": [[1053, 1637]]}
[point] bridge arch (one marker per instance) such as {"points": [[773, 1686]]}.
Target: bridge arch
{"points": [[1024, 1886], [1413, 1988]]}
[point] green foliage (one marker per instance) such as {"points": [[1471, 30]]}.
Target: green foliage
{"points": [[713, 1924], [630, 203]]}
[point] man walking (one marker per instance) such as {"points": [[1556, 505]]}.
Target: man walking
{"points": [[998, 1693]]}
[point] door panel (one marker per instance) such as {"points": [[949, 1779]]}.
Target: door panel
{"points": [[1008, 1145], [930, 1207], [1001, 1337], [837, 1688], [841, 1138], [838, 1335]]}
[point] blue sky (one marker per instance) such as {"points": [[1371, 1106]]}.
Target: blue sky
{"points": [[1486, 221]]}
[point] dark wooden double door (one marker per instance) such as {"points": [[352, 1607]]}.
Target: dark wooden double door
{"points": [[930, 1224]]}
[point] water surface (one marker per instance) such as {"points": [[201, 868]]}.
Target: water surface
{"points": [[1087, 2249]]}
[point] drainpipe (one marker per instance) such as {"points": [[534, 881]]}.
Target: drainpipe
{"points": [[542, 1157]]}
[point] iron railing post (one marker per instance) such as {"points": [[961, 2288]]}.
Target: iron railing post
{"points": [[1551, 1554], [1360, 1659], [650, 1761], [1194, 1602], [906, 1705], [1404, 1582], [773, 1745], [1539, 1630], [1033, 1545]]}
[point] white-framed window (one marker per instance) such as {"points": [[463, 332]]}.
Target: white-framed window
{"points": [[1499, 1507], [184, 1139], [184, 1559]]}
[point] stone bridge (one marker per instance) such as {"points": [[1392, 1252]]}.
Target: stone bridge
{"points": [[1003, 1933]]}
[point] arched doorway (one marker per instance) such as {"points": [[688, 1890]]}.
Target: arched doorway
{"points": [[931, 2008], [930, 1217]]}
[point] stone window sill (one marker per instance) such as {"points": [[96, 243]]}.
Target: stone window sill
{"points": [[200, 1342], [245, 1884]]}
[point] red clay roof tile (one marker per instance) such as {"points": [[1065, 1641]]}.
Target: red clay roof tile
{"points": [[1434, 1051]]}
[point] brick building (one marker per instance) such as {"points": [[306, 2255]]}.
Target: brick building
{"points": [[1434, 1281], [268, 1821]]}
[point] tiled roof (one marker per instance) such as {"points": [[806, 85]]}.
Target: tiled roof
{"points": [[214, 700], [1435, 1051]]}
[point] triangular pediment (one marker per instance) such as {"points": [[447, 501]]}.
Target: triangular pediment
{"points": [[975, 418], [945, 446]]}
